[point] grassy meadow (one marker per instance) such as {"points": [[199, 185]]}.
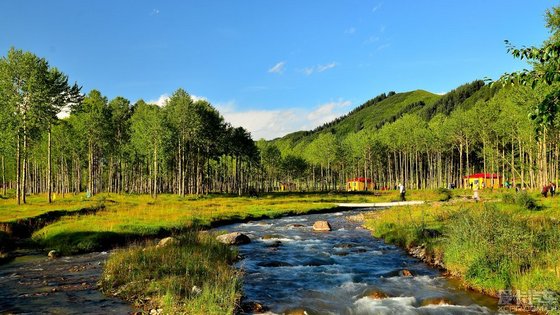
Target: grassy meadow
{"points": [[511, 243], [150, 277], [506, 241]]}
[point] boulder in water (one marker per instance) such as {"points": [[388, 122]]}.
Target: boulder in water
{"points": [[234, 238], [436, 301], [406, 273], [253, 307], [271, 236], [296, 311], [376, 295], [321, 226]]}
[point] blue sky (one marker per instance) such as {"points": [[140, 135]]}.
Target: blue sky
{"points": [[273, 66]]}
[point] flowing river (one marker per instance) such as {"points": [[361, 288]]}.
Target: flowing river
{"points": [[289, 268]]}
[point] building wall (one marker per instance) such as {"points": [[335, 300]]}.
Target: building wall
{"points": [[358, 186]]}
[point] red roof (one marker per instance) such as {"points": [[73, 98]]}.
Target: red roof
{"points": [[360, 179], [482, 175]]}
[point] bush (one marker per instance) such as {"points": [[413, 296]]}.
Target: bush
{"points": [[444, 194], [508, 198], [523, 199]]}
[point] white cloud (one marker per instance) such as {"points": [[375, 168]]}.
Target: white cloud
{"points": [[321, 68], [441, 93], [160, 101], [377, 7], [154, 12], [318, 68], [278, 68], [270, 124]]}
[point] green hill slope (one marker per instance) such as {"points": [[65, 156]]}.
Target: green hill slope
{"points": [[370, 116]]}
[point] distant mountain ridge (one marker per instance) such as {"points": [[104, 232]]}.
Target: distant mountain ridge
{"points": [[387, 108]]}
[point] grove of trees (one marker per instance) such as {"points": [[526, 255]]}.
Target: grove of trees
{"points": [[183, 147], [186, 147]]}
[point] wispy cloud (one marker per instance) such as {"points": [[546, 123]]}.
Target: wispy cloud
{"points": [[372, 39], [383, 46], [278, 68], [377, 7], [319, 68], [154, 12], [350, 31], [270, 124]]}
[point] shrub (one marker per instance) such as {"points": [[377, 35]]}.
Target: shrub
{"points": [[523, 199], [444, 194], [508, 198]]}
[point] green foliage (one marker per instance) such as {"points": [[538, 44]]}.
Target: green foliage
{"points": [[451, 100], [524, 200], [444, 194]]}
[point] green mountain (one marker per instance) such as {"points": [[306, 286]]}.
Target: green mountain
{"points": [[387, 108]]}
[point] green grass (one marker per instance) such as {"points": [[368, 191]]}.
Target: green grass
{"points": [[152, 278], [491, 246]]}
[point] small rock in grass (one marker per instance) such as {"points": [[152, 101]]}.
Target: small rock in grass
{"points": [[166, 242], [54, 254], [196, 290]]}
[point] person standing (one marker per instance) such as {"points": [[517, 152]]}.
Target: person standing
{"points": [[402, 192], [476, 197]]}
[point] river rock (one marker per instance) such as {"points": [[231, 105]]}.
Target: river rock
{"points": [[359, 218], [53, 254], [296, 311], [406, 273], [297, 225], [234, 238], [166, 242], [253, 307], [321, 226], [376, 295], [274, 264], [271, 236], [436, 301]]}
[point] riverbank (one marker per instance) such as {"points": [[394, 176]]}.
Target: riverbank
{"points": [[149, 280], [511, 243]]}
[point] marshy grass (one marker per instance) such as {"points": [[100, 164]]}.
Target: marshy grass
{"points": [[192, 276]]}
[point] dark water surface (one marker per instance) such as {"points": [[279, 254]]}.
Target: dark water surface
{"points": [[67, 285], [288, 266]]}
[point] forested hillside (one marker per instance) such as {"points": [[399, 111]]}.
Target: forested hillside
{"points": [[423, 140], [418, 138]]}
